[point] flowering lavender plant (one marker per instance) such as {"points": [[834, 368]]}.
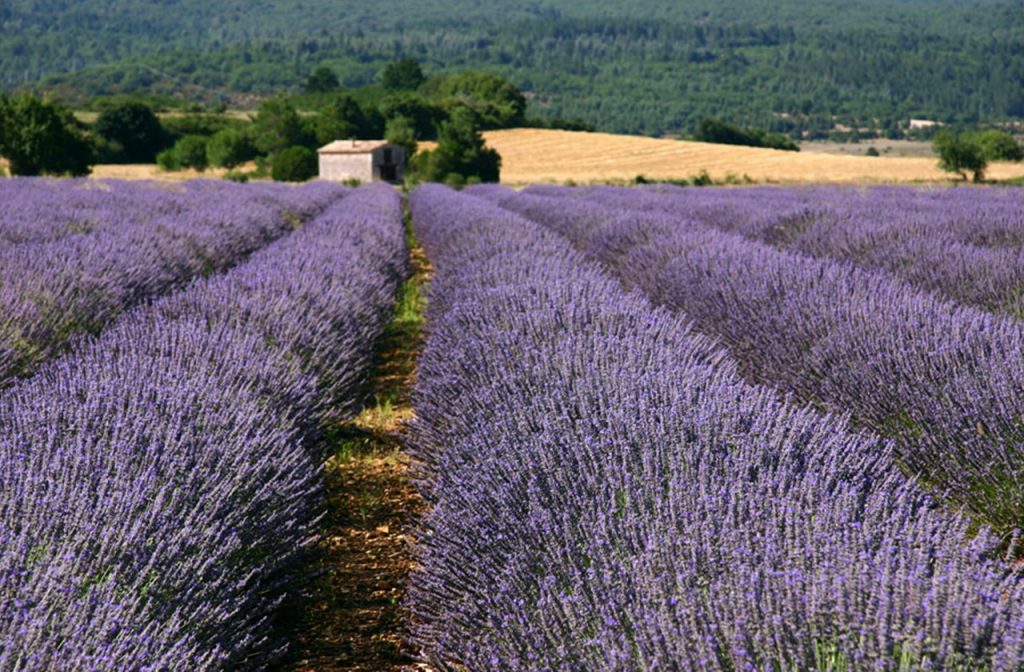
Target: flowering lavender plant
{"points": [[159, 482], [943, 379], [963, 244], [608, 493], [73, 256]]}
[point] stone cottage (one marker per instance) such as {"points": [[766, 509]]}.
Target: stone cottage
{"points": [[363, 160]]}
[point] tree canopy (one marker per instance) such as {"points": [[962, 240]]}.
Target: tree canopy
{"points": [[277, 126], [322, 80], [402, 75], [961, 154], [42, 138], [134, 129], [647, 66], [461, 156]]}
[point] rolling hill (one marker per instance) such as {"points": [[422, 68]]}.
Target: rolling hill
{"points": [[650, 67]]}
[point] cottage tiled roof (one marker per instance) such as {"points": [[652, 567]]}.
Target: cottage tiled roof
{"points": [[352, 146]]}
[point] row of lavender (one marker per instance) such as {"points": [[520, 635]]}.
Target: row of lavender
{"points": [[158, 484], [607, 493], [37, 210], [79, 254], [944, 380], [964, 244]]}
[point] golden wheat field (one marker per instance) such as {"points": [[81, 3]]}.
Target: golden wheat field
{"points": [[539, 155], [150, 171]]}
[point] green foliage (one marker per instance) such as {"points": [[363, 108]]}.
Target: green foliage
{"points": [[871, 151], [424, 116], [134, 130], [461, 154], [341, 120], [229, 148], [168, 160], [495, 101], [294, 164], [42, 138], [998, 145], [191, 151], [402, 75], [701, 179], [647, 66], [576, 124], [322, 80], [713, 130], [178, 126], [402, 132], [960, 154], [277, 126], [188, 152], [776, 141]]}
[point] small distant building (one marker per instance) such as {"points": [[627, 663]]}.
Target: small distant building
{"points": [[924, 123], [363, 160]]}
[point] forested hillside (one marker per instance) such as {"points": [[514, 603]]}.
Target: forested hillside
{"points": [[646, 67]]}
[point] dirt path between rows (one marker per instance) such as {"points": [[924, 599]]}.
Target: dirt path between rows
{"points": [[355, 620]]}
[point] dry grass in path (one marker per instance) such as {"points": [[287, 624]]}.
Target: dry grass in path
{"points": [[355, 620]]}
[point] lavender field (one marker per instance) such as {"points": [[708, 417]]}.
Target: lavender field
{"points": [[160, 481], [651, 429], [720, 430]]}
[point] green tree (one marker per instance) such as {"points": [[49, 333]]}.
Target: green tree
{"points": [[134, 130], [179, 126], [779, 141], [277, 126], [322, 80], [959, 154], [191, 151], [188, 152], [402, 75], [461, 155], [229, 148], [424, 116], [341, 120], [719, 132], [496, 102], [401, 131], [294, 164], [998, 145], [168, 160], [42, 138]]}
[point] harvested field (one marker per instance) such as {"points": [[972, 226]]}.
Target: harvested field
{"points": [[150, 171], [539, 155]]}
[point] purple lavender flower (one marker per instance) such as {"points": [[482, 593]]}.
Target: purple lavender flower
{"points": [[608, 493]]}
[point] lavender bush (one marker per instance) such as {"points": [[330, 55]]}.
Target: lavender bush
{"points": [[158, 483], [608, 494], [77, 256], [944, 380], [964, 244]]}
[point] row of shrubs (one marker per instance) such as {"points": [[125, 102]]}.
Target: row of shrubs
{"points": [[231, 148]]}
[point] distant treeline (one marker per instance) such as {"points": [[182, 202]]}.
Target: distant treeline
{"points": [[713, 130], [281, 136], [787, 67]]}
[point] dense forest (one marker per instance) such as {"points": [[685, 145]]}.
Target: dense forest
{"points": [[650, 67]]}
